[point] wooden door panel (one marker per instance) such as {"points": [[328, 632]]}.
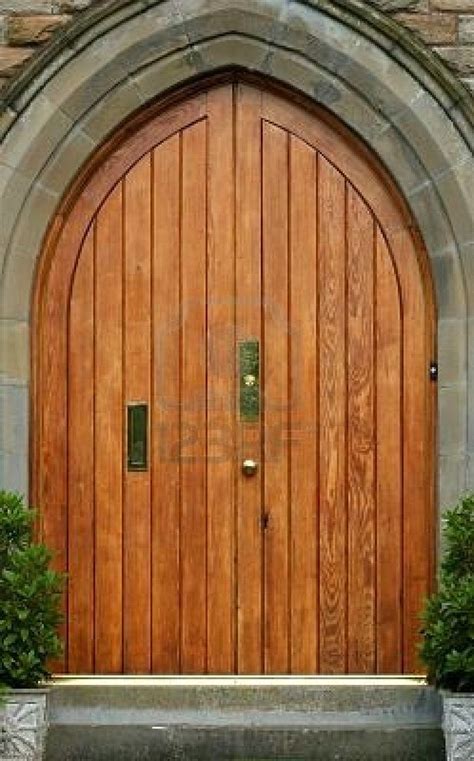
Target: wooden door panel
{"points": [[248, 315], [165, 432], [81, 517], [275, 331], [333, 521], [221, 375], [389, 462], [303, 434], [137, 378], [235, 216], [193, 439], [361, 435], [109, 404]]}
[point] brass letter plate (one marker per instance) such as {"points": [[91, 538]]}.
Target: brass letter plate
{"points": [[249, 380], [137, 436]]}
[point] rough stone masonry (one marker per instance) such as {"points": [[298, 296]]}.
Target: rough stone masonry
{"points": [[447, 26]]}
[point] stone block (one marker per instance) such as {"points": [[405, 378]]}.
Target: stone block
{"points": [[13, 188], [305, 76], [435, 229], [462, 6], [232, 49], [14, 354], [33, 30], [452, 358], [449, 283], [32, 224], [16, 285], [432, 28], [12, 58], [434, 138], [466, 29], [60, 170], [389, 6], [25, 725], [25, 6], [453, 420], [14, 413], [470, 473], [164, 75], [456, 190], [400, 159], [470, 381], [70, 6], [36, 135], [7, 118], [460, 59], [119, 104], [452, 480], [14, 467]]}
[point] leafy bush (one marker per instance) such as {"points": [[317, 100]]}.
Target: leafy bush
{"points": [[448, 618], [30, 595]]}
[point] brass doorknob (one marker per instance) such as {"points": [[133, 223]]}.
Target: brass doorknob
{"points": [[249, 467]]}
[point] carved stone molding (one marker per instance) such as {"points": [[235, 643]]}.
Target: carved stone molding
{"points": [[23, 723], [458, 724]]}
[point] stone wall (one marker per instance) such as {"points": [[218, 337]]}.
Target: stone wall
{"points": [[447, 26]]}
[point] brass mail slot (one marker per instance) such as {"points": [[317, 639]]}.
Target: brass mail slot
{"points": [[249, 385], [137, 436]]}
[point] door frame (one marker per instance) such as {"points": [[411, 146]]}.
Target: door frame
{"points": [[128, 132]]}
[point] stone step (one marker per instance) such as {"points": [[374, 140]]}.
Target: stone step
{"points": [[243, 718], [235, 701], [242, 744]]}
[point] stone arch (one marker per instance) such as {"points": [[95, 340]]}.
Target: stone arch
{"points": [[124, 55]]}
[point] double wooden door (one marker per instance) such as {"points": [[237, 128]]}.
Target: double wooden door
{"points": [[236, 281]]}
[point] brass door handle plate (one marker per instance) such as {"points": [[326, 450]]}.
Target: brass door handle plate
{"points": [[249, 467]]}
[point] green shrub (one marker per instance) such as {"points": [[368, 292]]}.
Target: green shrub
{"points": [[448, 619], [30, 596]]}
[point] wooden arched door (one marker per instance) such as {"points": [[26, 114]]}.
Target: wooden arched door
{"points": [[236, 280]]}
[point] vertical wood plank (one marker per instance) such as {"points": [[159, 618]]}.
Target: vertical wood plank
{"points": [[221, 383], [137, 349], [276, 396], [417, 489], [51, 488], [81, 464], [332, 419], [361, 436], [389, 464], [248, 320], [194, 401], [109, 453], [166, 414], [303, 406]]}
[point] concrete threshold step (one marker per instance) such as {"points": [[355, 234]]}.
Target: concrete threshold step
{"points": [[244, 718]]}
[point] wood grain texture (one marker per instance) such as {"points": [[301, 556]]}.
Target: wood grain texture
{"points": [[389, 463], [332, 419], [248, 306], [165, 430], [221, 466], [193, 441], [137, 371], [275, 353], [81, 515], [109, 424], [361, 424], [303, 406], [417, 534]]}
